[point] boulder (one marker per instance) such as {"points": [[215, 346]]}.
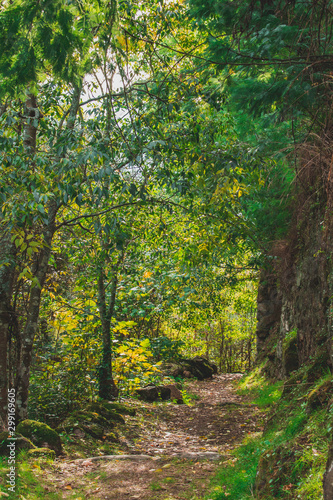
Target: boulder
{"points": [[152, 393], [40, 434], [106, 411], [112, 437], [164, 392], [173, 369], [95, 430], [199, 367], [21, 443], [175, 393], [148, 393], [91, 422], [214, 366], [119, 408]]}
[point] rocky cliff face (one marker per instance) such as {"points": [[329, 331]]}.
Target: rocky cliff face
{"points": [[295, 310], [295, 313]]}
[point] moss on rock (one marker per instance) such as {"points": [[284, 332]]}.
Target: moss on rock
{"points": [[109, 413], [95, 430], [21, 443], [119, 408], [112, 437], [40, 434], [42, 452], [96, 420], [81, 419], [320, 396]]}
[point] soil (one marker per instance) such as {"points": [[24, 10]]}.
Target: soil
{"points": [[175, 449]]}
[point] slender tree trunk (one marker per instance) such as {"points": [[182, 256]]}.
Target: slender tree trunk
{"points": [[221, 343], [23, 375], [6, 284], [107, 387]]}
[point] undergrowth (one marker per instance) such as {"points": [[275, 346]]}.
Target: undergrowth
{"points": [[27, 484]]}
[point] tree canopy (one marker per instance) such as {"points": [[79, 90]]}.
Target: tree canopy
{"points": [[148, 162]]}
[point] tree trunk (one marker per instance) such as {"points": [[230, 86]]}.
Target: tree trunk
{"points": [[107, 387], [221, 344], [22, 382], [6, 284]]}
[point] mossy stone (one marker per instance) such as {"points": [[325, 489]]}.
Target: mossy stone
{"points": [[40, 434], [21, 443], [119, 408], [90, 416], [95, 430], [109, 413], [91, 422], [42, 452], [320, 396]]}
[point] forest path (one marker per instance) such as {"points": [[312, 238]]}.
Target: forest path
{"points": [[186, 445]]}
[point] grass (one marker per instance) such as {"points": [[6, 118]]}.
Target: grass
{"points": [[262, 392], [155, 486], [236, 477], [27, 484]]}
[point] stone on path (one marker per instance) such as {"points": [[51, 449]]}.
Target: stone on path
{"points": [[149, 393]]}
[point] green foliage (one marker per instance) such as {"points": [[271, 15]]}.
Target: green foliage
{"points": [[50, 35], [163, 348], [134, 365], [64, 375]]}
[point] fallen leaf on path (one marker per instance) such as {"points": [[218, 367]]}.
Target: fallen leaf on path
{"points": [[87, 463]]}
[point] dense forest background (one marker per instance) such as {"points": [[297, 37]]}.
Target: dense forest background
{"points": [[160, 162]]}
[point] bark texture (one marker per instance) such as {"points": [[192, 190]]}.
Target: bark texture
{"points": [[7, 261], [28, 335], [107, 387]]}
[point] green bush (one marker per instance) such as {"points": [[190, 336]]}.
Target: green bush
{"points": [[164, 348]]}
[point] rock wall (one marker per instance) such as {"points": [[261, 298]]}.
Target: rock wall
{"points": [[295, 314]]}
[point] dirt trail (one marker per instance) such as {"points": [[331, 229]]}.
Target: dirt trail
{"points": [[186, 445]]}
